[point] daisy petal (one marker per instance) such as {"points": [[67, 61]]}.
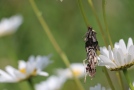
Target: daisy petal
{"points": [[104, 51], [11, 70], [122, 46], [130, 42], [110, 52], [120, 58], [4, 74], [116, 45], [42, 73], [115, 57], [131, 51], [42, 62], [106, 61], [22, 64]]}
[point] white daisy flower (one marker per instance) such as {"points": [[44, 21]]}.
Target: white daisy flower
{"points": [[52, 83], [98, 87], [32, 67], [120, 57], [77, 68], [9, 26], [56, 82]]}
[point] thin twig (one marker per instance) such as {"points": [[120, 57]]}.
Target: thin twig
{"points": [[83, 13]]}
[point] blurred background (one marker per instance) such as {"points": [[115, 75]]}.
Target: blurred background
{"points": [[68, 27]]}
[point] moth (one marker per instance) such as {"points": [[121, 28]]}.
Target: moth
{"points": [[91, 46], [91, 40]]}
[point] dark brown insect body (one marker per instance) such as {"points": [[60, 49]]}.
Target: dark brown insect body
{"points": [[91, 46]]}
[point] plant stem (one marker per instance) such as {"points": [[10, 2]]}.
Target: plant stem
{"points": [[108, 78], [128, 79], [53, 41], [31, 84], [98, 21], [105, 22], [83, 13], [118, 74]]}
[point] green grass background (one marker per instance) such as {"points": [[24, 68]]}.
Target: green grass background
{"points": [[68, 28]]}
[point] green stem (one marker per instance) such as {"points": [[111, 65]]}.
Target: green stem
{"points": [[118, 74], [53, 41], [105, 22], [83, 13], [31, 84], [98, 21], [108, 78], [128, 79]]}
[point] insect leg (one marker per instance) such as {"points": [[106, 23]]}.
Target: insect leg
{"points": [[85, 78], [84, 63]]}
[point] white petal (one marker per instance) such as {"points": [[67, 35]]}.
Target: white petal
{"points": [[17, 75], [129, 59], [117, 62], [106, 61], [108, 65], [20, 76], [52, 83], [116, 45], [22, 64], [16, 21], [5, 77], [110, 52], [42, 73], [130, 42], [3, 73], [123, 46], [131, 51], [11, 70], [8, 26], [42, 62], [104, 51], [7, 80], [31, 65], [120, 57], [30, 68]]}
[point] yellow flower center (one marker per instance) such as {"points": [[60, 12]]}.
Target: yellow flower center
{"points": [[23, 70], [77, 72], [34, 72]]}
